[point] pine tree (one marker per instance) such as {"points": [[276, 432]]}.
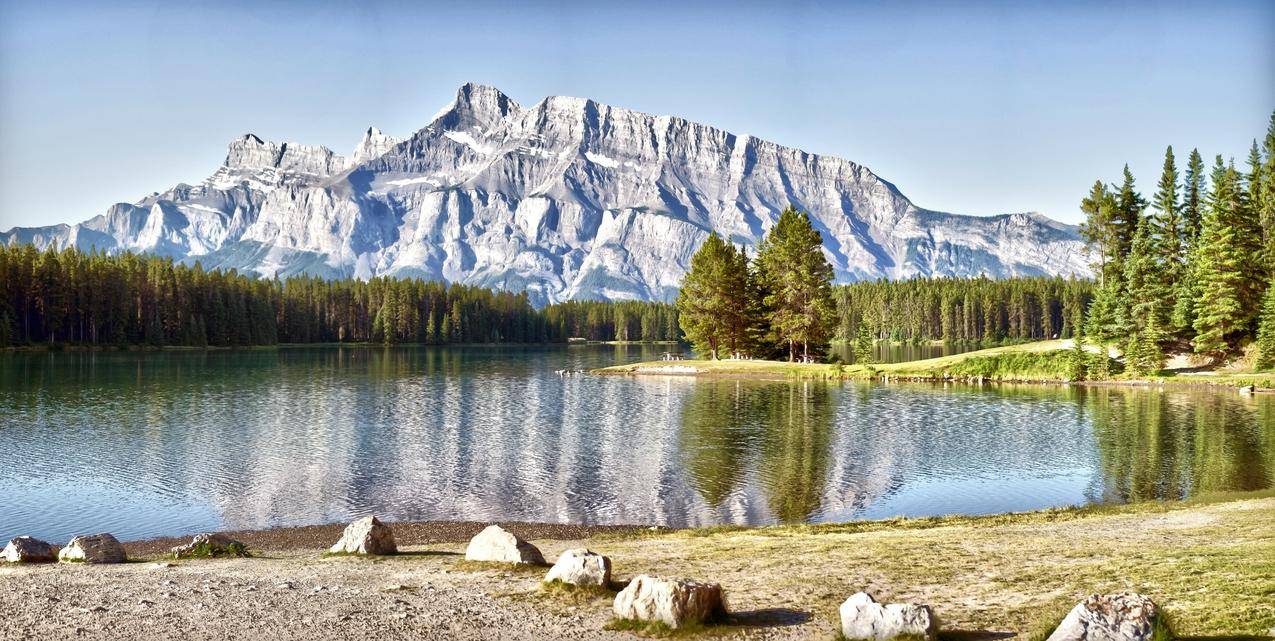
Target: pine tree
{"points": [[1266, 334], [1077, 360], [1265, 204], [1194, 192], [797, 279], [705, 301], [1168, 234], [1128, 213], [1226, 266], [1098, 230], [863, 345], [1146, 290]]}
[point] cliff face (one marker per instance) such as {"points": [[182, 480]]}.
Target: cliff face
{"points": [[567, 198]]}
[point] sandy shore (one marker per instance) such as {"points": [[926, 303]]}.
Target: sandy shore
{"points": [[1209, 565]]}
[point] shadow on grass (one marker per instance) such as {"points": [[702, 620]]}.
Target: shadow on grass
{"points": [[766, 618], [973, 635]]}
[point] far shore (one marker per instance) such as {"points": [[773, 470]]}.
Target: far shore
{"points": [[1042, 362]]}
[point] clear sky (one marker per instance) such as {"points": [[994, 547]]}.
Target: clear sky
{"points": [[969, 107]]}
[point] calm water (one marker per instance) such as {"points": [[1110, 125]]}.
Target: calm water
{"points": [[143, 444]]}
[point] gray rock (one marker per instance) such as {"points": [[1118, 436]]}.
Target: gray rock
{"points": [[498, 545], [581, 567], [1126, 616], [673, 602], [93, 548], [367, 535], [210, 544], [25, 549], [863, 618]]}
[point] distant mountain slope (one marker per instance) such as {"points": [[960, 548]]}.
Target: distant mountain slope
{"points": [[566, 199]]}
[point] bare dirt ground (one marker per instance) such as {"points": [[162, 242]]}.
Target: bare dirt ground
{"points": [[1211, 566]]}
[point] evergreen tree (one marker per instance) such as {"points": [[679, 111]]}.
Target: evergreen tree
{"points": [[797, 279], [1266, 334], [1226, 266], [713, 298], [1098, 229], [1193, 196], [1265, 204], [1169, 236], [863, 345], [1077, 360], [1128, 213]]}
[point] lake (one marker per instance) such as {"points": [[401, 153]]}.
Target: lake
{"points": [[156, 443]]}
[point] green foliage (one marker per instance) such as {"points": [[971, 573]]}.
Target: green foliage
{"points": [[797, 281], [89, 298], [209, 551], [964, 309], [1077, 363], [717, 304], [1265, 358], [863, 345], [1227, 266]]}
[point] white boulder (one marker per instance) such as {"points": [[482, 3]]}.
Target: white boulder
{"points": [[498, 545], [367, 535], [1126, 616], [673, 602], [863, 618], [93, 548], [581, 567], [25, 549]]}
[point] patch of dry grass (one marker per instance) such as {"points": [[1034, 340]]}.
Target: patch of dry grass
{"points": [[1210, 564]]}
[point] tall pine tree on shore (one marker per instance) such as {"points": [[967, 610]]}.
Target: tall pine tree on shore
{"points": [[797, 279], [1167, 234], [1226, 266], [1266, 334], [1194, 192], [717, 302]]}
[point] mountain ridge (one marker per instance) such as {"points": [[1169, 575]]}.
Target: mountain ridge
{"points": [[567, 198]]}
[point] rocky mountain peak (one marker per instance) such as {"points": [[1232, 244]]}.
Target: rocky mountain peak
{"points": [[568, 199], [374, 144]]}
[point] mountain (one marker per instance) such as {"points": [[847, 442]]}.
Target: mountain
{"points": [[566, 199]]}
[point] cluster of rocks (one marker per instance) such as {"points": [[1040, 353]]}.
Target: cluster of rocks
{"points": [[673, 602]]}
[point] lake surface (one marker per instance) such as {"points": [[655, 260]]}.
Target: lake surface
{"points": [[147, 444]]}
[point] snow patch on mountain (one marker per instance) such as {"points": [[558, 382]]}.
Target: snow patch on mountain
{"points": [[565, 199]]}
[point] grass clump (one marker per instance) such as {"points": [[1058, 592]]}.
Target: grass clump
{"points": [[481, 566], [575, 594], [655, 629], [210, 551]]}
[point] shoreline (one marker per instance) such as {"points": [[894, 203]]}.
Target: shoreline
{"points": [[321, 536], [291, 538], [1038, 363], [1206, 561]]}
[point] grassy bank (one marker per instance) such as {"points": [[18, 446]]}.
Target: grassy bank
{"points": [[1037, 362], [1209, 562]]}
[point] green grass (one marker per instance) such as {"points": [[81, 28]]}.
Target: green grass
{"points": [[1035, 362], [1206, 561], [208, 551], [485, 566], [572, 594], [657, 629]]}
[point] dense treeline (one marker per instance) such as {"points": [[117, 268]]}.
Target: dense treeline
{"points": [[88, 298], [1196, 269], [963, 309], [619, 321]]}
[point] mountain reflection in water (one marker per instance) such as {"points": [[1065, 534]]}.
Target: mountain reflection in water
{"points": [[150, 443]]}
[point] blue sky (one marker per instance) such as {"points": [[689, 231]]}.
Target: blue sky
{"points": [[973, 107]]}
